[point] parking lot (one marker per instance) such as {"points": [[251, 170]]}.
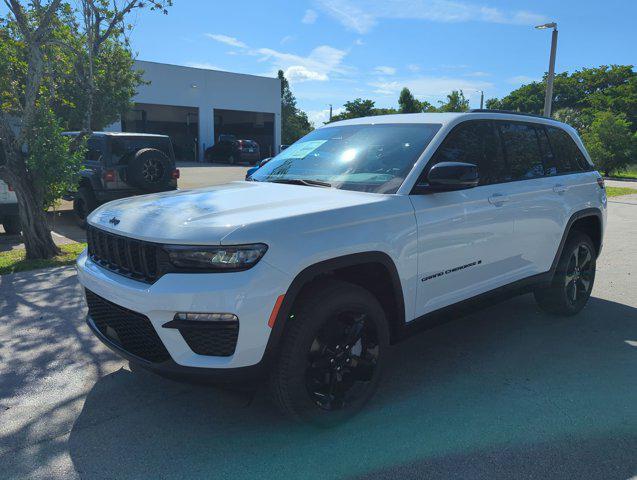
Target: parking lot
{"points": [[506, 392]]}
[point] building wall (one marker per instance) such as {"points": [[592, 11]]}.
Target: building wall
{"points": [[207, 90]]}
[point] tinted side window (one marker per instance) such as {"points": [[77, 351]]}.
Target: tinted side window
{"points": [[551, 162], [93, 149], [568, 157], [522, 150], [476, 143]]}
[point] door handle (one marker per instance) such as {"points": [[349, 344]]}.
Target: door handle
{"points": [[559, 188], [498, 199]]}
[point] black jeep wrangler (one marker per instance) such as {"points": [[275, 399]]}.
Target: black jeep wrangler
{"points": [[121, 165]]}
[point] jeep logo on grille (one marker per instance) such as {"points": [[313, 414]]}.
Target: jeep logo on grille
{"points": [[114, 221]]}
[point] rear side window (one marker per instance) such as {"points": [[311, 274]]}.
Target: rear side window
{"points": [[522, 150], [94, 150], [476, 143], [567, 156]]}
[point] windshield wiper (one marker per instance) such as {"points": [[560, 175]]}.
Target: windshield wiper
{"points": [[302, 181]]}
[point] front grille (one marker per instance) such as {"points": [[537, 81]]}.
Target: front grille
{"points": [[219, 339], [133, 258], [130, 331]]}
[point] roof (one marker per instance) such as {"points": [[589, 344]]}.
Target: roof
{"points": [[118, 134], [447, 118]]}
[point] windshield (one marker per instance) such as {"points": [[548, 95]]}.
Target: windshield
{"points": [[369, 158]]}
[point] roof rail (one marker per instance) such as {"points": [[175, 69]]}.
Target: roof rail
{"points": [[509, 112]]}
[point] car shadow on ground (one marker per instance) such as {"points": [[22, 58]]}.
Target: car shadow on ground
{"points": [[507, 392]]}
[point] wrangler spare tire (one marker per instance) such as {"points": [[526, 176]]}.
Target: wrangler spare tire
{"points": [[149, 169]]}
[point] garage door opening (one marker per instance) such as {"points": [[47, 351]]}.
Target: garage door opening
{"points": [[181, 124], [255, 126]]}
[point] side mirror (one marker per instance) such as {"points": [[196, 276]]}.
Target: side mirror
{"points": [[452, 176]]}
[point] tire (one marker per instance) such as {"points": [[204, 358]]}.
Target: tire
{"points": [[231, 160], [12, 225], [331, 355], [573, 280], [150, 169], [84, 203]]}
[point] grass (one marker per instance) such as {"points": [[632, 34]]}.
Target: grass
{"points": [[630, 172], [617, 191], [14, 260]]}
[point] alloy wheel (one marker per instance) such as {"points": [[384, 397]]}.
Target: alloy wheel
{"points": [[342, 360], [579, 273], [152, 170]]}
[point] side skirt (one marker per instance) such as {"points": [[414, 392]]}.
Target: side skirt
{"points": [[479, 302]]}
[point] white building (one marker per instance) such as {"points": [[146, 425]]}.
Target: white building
{"points": [[194, 106]]}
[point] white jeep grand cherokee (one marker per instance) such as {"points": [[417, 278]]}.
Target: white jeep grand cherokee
{"points": [[339, 245]]}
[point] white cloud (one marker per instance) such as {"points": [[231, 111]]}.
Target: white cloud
{"points": [[319, 117], [286, 39], [412, 67], [428, 86], [521, 79], [318, 65], [385, 70], [204, 65], [299, 73], [361, 15], [310, 16], [359, 42], [233, 42], [477, 74]]}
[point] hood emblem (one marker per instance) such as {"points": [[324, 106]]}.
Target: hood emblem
{"points": [[114, 221]]}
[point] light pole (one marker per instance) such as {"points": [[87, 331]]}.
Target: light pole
{"points": [[481, 96], [548, 99]]}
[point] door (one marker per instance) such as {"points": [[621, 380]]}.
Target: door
{"points": [[536, 195], [464, 236]]}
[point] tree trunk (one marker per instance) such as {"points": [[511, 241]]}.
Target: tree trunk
{"points": [[35, 228]]}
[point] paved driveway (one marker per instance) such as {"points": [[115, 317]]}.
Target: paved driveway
{"points": [[507, 392]]}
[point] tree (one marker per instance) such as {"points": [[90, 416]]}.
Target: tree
{"points": [[361, 108], [610, 142], [456, 102], [51, 72], [294, 122], [587, 90], [407, 103], [578, 119]]}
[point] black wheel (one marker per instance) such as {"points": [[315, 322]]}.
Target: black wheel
{"points": [[231, 160], [12, 225], [83, 204], [573, 281], [150, 169], [331, 354]]}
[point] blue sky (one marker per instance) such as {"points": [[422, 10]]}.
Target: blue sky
{"points": [[337, 50]]}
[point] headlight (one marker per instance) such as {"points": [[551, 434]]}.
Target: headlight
{"points": [[236, 257]]}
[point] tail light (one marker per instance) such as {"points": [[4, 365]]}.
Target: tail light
{"points": [[10, 188], [109, 176], [600, 182], [175, 174]]}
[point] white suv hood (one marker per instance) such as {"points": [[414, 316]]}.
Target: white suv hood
{"points": [[205, 216]]}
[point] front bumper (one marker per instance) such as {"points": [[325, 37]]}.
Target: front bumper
{"points": [[171, 369], [250, 295]]}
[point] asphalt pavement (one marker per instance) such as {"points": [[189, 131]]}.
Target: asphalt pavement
{"points": [[506, 392]]}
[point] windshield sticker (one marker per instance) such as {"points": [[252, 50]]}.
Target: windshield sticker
{"points": [[300, 150]]}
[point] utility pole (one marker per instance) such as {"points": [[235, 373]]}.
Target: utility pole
{"points": [[330, 112], [548, 98], [481, 99]]}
